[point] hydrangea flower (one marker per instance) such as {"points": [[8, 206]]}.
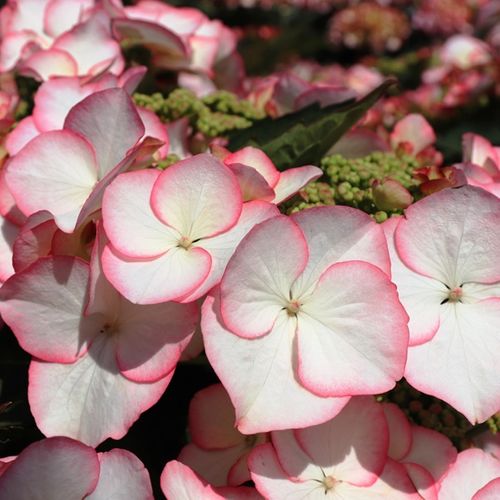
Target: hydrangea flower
{"points": [[297, 326], [444, 263]]}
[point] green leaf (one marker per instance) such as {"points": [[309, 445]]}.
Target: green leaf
{"points": [[305, 136]]}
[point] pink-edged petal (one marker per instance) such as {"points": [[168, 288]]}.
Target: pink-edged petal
{"points": [[257, 281], [393, 484], [151, 338], [44, 307], [272, 481], [349, 340], [239, 473], [170, 276], [199, 197], [479, 151], [39, 177], [424, 483], [154, 128], [400, 435], [461, 362], [451, 236], [45, 64], [295, 461], [490, 491], [212, 465], [259, 376], [253, 186], [131, 78], [358, 143], [337, 234], [57, 468], [68, 399], [415, 130], [130, 223], [177, 136], [93, 203], [54, 99], [179, 482], [152, 35], [34, 241], [122, 475], [352, 446], [257, 159], [212, 418], [421, 296], [62, 15], [222, 247], [8, 234], [24, 131], [291, 181], [432, 450], [8, 207], [102, 297], [82, 39], [15, 46], [473, 470], [109, 121], [324, 95]]}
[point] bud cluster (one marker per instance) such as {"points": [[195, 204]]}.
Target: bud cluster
{"points": [[214, 115], [349, 181]]}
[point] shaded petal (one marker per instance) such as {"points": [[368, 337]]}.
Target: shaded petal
{"points": [[400, 435], [109, 121], [212, 465], [44, 307], [68, 399], [57, 468], [8, 234], [351, 447], [272, 481], [257, 159], [432, 450], [152, 338], [260, 378], [122, 476], [212, 418]]}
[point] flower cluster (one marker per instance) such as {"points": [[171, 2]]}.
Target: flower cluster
{"points": [[136, 236]]}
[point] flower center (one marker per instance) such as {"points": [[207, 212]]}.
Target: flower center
{"points": [[329, 483], [293, 307], [108, 329], [185, 243], [455, 295]]}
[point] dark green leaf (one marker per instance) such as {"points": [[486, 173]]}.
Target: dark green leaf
{"points": [[305, 136]]}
